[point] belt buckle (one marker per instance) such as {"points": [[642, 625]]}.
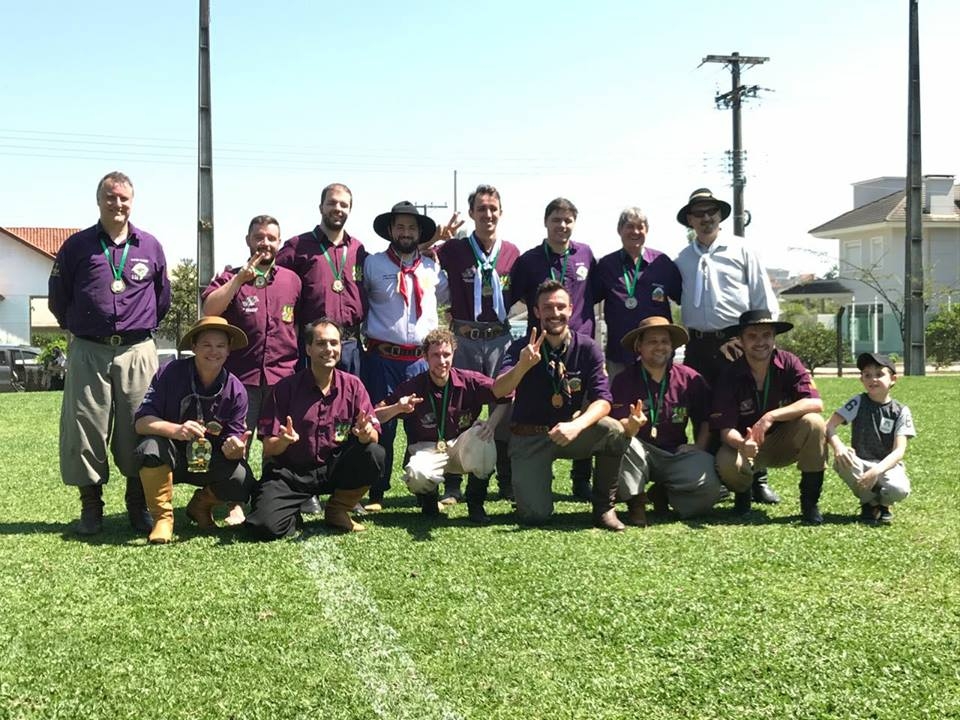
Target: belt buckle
{"points": [[115, 340], [475, 333]]}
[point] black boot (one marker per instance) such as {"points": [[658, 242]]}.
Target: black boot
{"points": [[91, 510], [762, 492], [137, 513], [429, 503], [741, 502], [476, 495], [504, 476], [580, 475], [811, 483], [451, 486]]}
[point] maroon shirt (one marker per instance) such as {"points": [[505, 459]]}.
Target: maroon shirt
{"points": [[457, 259], [468, 392], [79, 286], [304, 255], [585, 381], [534, 266], [263, 313], [738, 402], [324, 422], [686, 396], [658, 283]]}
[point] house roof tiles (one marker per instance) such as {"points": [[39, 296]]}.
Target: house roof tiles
{"points": [[45, 240]]}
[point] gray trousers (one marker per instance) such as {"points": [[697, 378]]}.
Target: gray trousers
{"points": [[104, 386], [481, 355], [891, 487], [690, 478], [532, 459]]}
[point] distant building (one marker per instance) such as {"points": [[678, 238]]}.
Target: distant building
{"points": [[872, 239]]}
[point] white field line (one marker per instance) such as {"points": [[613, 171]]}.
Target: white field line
{"points": [[393, 686]]}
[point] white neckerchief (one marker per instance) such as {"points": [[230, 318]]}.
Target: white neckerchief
{"points": [[484, 265]]}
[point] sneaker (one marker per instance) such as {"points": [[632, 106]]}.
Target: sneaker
{"points": [[868, 514], [452, 497], [884, 517]]}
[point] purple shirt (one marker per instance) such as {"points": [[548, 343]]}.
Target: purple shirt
{"points": [[533, 267], [79, 287], [658, 282], [686, 396], [457, 259], [468, 392], [738, 402], [304, 255], [585, 381], [171, 397], [263, 313], [324, 422]]}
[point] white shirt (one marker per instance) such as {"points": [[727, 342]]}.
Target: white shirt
{"points": [[722, 282], [389, 319]]}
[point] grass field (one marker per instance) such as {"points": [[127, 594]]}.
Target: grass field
{"points": [[715, 619]]}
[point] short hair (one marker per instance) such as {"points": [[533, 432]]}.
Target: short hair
{"points": [[484, 190], [549, 286], [335, 186], [262, 220], [438, 337], [114, 177], [559, 204], [311, 327], [632, 214]]}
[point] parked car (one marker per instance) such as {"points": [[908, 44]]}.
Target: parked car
{"points": [[19, 369]]}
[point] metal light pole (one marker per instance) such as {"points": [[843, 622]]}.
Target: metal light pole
{"points": [[204, 158], [914, 354]]}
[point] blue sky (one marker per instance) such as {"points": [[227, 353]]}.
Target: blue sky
{"points": [[601, 102]]}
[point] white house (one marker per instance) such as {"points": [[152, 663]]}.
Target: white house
{"points": [[27, 255], [872, 241]]}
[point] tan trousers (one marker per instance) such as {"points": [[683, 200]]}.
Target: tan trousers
{"points": [[891, 487], [801, 441]]}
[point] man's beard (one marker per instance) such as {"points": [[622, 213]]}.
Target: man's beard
{"points": [[404, 245]]}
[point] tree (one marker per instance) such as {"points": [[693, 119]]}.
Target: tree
{"points": [[813, 343], [183, 304], [943, 336]]}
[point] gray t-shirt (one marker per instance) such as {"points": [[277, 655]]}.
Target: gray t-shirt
{"points": [[875, 425]]}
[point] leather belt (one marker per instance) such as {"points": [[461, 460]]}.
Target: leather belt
{"points": [[708, 334], [350, 332], [527, 430], [395, 352], [128, 338], [480, 330]]}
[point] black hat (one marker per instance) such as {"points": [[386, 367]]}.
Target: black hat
{"points": [[382, 222], [757, 317], [702, 195], [864, 359]]}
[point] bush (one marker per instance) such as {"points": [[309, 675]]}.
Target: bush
{"points": [[813, 343], [943, 336]]}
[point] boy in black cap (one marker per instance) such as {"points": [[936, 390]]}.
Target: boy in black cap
{"points": [[873, 465]]}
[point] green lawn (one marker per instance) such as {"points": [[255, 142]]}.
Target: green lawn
{"points": [[715, 619]]}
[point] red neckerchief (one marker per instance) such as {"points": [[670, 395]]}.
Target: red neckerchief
{"points": [[401, 283]]}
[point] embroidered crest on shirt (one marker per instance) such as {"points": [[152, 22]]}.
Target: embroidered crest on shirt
{"points": [[139, 271], [342, 432], [357, 273], [466, 420], [679, 415], [582, 271], [746, 406], [576, 384], [286, 314], [886, 425], [250, 304], [657, 294]]}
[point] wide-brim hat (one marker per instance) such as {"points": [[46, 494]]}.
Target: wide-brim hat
{"points": [[702, 195], [757, 317], [678, 335], [878, 359], [236, 336], [382, 222]]}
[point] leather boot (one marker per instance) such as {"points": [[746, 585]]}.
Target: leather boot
{"points": [[658, 496], [741, 502], [200, 508], [637, 505], [476, 495], [336, 513], [429, 503], [137, 514], [158, 490], [580, 471], [762, 492], [504, 476], [91, 510], [811, 483], [452, 493], [605, 494]]}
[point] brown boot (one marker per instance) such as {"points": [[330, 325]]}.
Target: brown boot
{"points": [[200, 508], [158, 491], [605, 485], [637, 505], [336, 514]]}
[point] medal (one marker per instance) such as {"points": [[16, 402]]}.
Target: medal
{"points": [[556, 400], [199, 453], [214, 428], [337, 285], [631, 303], [441, 446], [117, 287], [260, 281], [653, 433]]}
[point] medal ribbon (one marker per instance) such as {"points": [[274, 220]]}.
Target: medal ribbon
{"points": [[630, 283], [487, 270], [117, 270], [263, 273], [337, 274], [563, 269], [556, 379], [410, 270], [766, 392], [221, 381], [654, 407], [442, 416]]}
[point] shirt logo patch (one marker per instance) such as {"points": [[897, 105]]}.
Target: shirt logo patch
{"points": [[657, 294], [679, 415], [250, 304], [886, 425], [576, 385], [357, 273], [505, 282], [582, 271], [286, 314], [746, 406], [342, 432], [469, 274], [466, 420], [139, 271]]}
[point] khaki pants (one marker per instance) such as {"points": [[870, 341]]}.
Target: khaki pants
{"points": [[891, 487], [801, 441]]}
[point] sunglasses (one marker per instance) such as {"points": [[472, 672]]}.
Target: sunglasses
{"points": [[704, 213]]}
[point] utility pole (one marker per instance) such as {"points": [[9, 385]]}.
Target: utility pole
{"points": [[204, 158], [914, 353], [732, 100], [454, 190], [429, 206]]}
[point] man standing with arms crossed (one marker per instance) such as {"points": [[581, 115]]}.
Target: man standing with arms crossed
{"points": [[109, 289]]}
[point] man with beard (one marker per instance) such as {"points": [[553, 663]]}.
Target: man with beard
{"points": [[654, 399], [572, 264], [478, 270], [634, 282], [767, 410], [403, 291], [560, 410], [722, 279], [330, 262], [259, 298], [319, 436], [109, 289]]}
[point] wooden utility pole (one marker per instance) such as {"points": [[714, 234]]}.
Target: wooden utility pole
{"points": [[204, 158], [733, 100], [915, 351]]}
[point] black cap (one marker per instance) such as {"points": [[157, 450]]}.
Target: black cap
{"points": [[864, 359]]}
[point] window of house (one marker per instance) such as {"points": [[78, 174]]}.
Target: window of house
{"points": [[853, 255], [864, 315]]}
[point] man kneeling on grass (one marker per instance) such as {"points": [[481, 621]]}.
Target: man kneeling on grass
{"points": [[193, 418], [319, 436]]}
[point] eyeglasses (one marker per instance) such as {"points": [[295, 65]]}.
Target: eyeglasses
{"points": [[704, 212]]}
